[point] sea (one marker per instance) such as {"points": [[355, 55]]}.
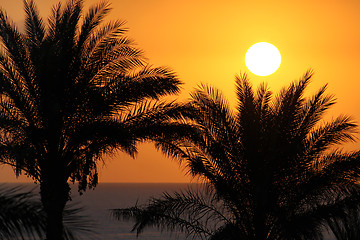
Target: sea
{"points": [[97, 203]]}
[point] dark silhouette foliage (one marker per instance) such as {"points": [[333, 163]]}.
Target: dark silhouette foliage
{"points": [[271, 168], [21, 215], [72, 90]]}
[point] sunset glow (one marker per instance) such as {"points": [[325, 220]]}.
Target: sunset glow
{"points": [[263, 59], [206, 42]]}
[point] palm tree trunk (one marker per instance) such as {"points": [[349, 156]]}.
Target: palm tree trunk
{"points": [[260, 212], [54, 195]]}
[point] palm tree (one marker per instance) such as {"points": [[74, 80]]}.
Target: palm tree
{"points": [[271, 169], [71, 91]]}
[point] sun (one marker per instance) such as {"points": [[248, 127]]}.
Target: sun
{"points": [[262, 59]]}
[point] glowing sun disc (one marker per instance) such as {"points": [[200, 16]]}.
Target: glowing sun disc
{"points": [[262, 59]]}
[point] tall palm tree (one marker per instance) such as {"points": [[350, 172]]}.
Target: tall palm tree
{"points": [[271, 169], [70, 91]]}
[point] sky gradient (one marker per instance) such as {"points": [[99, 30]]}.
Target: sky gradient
{"points": [[206, 41]]}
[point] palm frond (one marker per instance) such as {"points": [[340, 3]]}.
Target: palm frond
{"points": [[313, 110], [193, 212], [21, 215], [340, 168], [54, 19], [13, 43], [91, 21], [339, 130], [34, 25], [154, 82], [96, 42], [77, 225], [109, 52], [263, 98], [69, 21]]}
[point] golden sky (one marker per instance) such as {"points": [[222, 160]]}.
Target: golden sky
{"points": [[206, 41]]}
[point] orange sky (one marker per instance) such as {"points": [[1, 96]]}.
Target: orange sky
{"points": [[206, 41]]}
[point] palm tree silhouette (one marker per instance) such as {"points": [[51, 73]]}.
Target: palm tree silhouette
{"points": [[271, 169], [71, 91]]}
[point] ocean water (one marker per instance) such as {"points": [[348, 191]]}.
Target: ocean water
{"points": [[96, 204], [120, 195]]}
